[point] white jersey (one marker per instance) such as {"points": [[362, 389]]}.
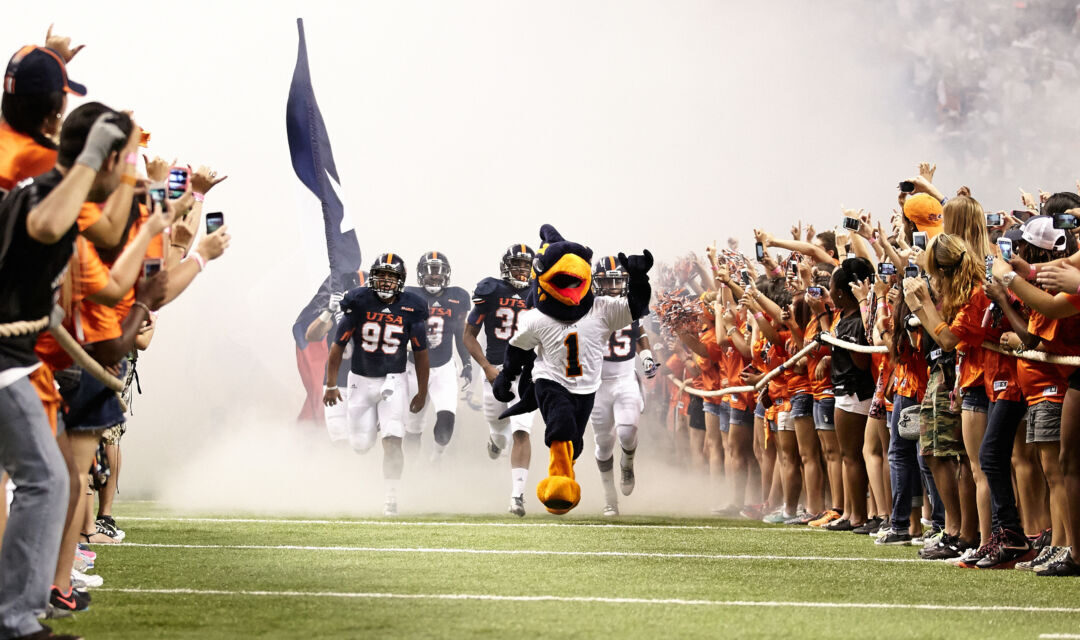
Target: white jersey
{"points": [[572, 353]]}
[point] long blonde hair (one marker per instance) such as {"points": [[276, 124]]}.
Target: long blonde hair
{"points": [[956, 272], [964, 217]]}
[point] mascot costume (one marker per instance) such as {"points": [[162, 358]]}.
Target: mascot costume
{"points": [[558, 351]]}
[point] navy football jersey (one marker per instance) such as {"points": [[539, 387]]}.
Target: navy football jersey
{"points": [[496, 305], [622, 345], [381, 331], [447, 313]]}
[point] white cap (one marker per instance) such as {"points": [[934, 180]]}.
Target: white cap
{"points": [[1040, 231]]}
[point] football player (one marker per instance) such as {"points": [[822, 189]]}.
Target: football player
{"points": [[448, 308], [381, 320], [324, 327], [619, 401], [497, 303]]}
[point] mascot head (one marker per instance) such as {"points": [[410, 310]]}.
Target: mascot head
{"points": [[562, 277]]}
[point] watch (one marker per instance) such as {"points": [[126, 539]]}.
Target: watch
{"points": [[1008, 278]]}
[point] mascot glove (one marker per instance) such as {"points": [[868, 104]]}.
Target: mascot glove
{"points": [[637, 265], [648, 363]]}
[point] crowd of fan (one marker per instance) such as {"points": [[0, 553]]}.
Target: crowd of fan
{"points": [[90, 250], [914, 380]]}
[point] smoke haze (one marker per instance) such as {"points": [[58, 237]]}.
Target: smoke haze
{"points": [[463, 126]]}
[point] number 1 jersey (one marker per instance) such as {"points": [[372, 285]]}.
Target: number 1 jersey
{"points": [[381, 331]]}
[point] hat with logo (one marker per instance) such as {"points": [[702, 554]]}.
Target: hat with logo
{"points": [[38, 70]]}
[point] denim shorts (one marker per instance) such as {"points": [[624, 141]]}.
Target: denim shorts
{"points": [[824, 418], [759, 410], [721, 411], [1044, 422], [91, 406], [744, 417], [975, 399], [802, 406]]}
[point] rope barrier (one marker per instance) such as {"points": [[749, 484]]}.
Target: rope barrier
{"points": [[23, 327], [83, 359]]}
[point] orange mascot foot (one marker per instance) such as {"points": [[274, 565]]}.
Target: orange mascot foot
{"points": [[559, 492]]}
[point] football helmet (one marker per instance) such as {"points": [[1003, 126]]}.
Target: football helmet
{"points": [[433, 272], [516, 265], [609, 278], [387, 276]]}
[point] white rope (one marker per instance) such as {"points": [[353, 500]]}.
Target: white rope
{"points": [[83, 359], [23, 327], [1036, 356], [685, 386], [850, 346]]}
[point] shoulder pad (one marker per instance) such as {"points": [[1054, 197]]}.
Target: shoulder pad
{"points": [[418, 304], [486, 287], [354, 297]]}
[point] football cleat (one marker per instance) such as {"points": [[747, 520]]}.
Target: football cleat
{"points": [[433, 272], [516, 265], [493, 451], [627, 482], [517, 506], [390, 508], [611, 510], [388, 276], [609, 278]]}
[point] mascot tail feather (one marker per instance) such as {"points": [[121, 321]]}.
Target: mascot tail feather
{"points": [[559, 492]]}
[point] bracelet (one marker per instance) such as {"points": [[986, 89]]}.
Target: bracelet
{"points": [[143, 305], [331, 388], [199, 197], [759, 315], [131, 158], [778, 271], [197, 257], [938, 329], [128, 179], [1031, 274]]}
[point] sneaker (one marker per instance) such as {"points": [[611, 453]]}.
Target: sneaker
{"points": [[1008, 548], [81, 564], [730, 511], [69, 602], [390, 508], [870, 526], [493, 451], [91, 581], [753, 511], [843, 524], [801, 519], [1046, 554], [776, 517], [107, 526], [1058, 555], [45, 633], [886, 526], [88, 559], [1064, 566], [894, 538], [827, 517], [950, 547], [930, 541], [85, 552], [517, 506], [1042, 540], [611, 510], [626, 484]]}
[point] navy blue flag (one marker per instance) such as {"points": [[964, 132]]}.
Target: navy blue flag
{"points": [[313, 161]]}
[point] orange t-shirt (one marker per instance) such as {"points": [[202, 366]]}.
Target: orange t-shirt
{"points": [[967, 326], [912, 371], [679, 399], [822, 388], [1043, 382], [731, 365], [779, 389], [1000, 370], [22, 157], [156, 249], [711, 375]]}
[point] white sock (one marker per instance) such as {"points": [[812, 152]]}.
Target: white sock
{"points": [[608, 480], [520, 476], [392, 486]]}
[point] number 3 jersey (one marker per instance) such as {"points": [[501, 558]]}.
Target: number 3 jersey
{"points": [[572, 354], [447, 312], [496, 306], [381, 331]]}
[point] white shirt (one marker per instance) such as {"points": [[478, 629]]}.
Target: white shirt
{"points": [[572, 353]]}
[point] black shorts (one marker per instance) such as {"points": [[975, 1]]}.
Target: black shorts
{"points": [[697, 413]]}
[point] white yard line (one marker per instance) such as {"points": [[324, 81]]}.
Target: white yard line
{"points": [[513, 552], [1062, 636], [600, 600], [422, 523]]}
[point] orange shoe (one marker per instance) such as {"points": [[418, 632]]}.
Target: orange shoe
{"points": [[825, 518], [559, 492]]}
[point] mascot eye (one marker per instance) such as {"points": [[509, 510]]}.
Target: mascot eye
{"points": [[537, 266]]}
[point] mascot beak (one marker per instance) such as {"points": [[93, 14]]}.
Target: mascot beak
{"points": [[568, 280]]}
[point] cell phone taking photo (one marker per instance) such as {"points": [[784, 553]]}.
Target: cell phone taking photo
{"points": [[214, 221], [1065, 221], [886, 269], [918, 239], [994, 220], [907, 186], [912, 271], [158, 193], [852, 223], [151, 266], [178, 182], [759, 251], [1006, 247]]}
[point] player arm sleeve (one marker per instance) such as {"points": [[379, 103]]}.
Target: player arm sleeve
{"points": [[418, 332], [345, 329]]}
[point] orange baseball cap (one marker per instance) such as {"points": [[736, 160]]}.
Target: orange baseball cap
{"points": [[926, 212]]}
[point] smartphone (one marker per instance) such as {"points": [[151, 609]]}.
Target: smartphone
{"points": [[150, 266], [907, 186], [994, 220], [759, 250], [214, 221], [178, 182], [794, 267], [1005, 245], [1065, 221], [158, 194], [745, 275], [852, 223], [886, 269], [1023, 215], [989, 269], [911, 271], [918, 239], [815, 292]]}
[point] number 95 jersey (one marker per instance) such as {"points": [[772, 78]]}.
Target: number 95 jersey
{"points": [[381, 331], [572, 353]]}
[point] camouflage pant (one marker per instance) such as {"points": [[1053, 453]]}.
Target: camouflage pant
{"points": [[939, 421]]}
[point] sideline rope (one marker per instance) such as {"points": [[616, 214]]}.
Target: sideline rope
{"points": [[84, 360], [23, 327]]}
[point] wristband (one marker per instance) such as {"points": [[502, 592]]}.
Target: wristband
{"points": [[128, 179], [131, 158], [199, 197], [331, 388], [759, 315], [197, 257], [143, 305], [778, 271], [938, 329], [1031, 273]]}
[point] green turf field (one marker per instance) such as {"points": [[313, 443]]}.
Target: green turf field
{"points": [[443, 576]]}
